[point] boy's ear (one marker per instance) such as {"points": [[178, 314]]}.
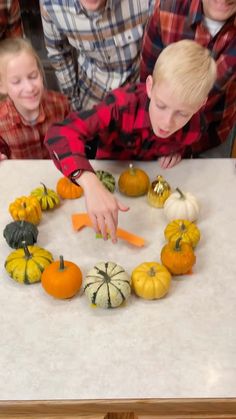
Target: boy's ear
{"points": [[149, 84]]}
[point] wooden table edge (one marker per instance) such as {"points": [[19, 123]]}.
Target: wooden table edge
{"points": [[120, 408]]}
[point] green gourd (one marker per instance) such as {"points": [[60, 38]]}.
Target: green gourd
{"points": [[107, 285], [20, 231], [107, 180]]}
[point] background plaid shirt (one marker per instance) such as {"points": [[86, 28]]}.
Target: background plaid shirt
{"points": [[183, 19], [105, 46], [10, 19], [19, 139], [117, 128]]}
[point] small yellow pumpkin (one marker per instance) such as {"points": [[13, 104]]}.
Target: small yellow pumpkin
{"points": [[178, 257], [151, 280], [26, 208], [26, 264], [158, 192], [185, 229], [47, 198], [133, 182], [67, 189]]}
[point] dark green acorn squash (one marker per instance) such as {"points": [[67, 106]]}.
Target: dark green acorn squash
{"points": [[20, 231]]}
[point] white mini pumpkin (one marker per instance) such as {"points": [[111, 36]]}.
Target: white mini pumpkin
{"points": [[107, 285], [181, 205]]}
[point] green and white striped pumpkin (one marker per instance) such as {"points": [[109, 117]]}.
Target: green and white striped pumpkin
{"points": [[107, 179], [107, 285]]}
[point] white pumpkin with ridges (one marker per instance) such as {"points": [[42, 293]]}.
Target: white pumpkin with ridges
{"points": [[181, 205]]}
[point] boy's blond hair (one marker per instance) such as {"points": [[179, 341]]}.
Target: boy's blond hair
{"points": [[12, 46], [189, 70]]}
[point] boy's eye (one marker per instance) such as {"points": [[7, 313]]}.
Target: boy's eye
{"points": [[183, 114], [15, 81], [160, 106]]}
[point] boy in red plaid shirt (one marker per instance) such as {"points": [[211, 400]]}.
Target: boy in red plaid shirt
{"points": [[29, 109], [156, 120]]}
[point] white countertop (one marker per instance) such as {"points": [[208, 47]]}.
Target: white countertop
{"points": [[181, 346]]}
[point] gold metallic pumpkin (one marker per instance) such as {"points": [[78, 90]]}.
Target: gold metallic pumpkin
{"points": [[159, 191]]}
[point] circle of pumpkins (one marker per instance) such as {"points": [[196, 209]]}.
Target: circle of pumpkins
{"points": [[107, 284]]}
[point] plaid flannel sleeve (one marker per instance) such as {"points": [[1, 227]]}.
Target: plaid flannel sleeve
{"points": [[61, 56], [152, 44]]}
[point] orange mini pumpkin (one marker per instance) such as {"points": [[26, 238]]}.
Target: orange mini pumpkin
{"points": [[67, 189], [133, 182], [62, 279], [178, 257]]}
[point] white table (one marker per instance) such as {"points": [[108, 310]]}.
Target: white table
{"points": [[171, 356]]}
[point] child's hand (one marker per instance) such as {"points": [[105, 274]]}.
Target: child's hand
{"points": [[102, 206], [167, 162], [3, 157]]}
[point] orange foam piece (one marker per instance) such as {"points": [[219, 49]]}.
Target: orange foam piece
{"points": [[82, 220]]}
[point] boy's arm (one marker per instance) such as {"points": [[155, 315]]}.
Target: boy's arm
{"points": [[67, 142], [61, 57], [152, 44], [14, 24]]}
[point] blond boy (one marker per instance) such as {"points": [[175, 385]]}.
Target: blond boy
{"points": [[151, 121]]}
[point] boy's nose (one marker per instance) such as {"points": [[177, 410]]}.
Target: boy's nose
{"points": [[167, 121]]}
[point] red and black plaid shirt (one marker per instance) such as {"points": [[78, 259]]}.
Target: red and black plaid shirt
{"points": [[21, 140], [184, 19], [119, 128], [10, 19]]}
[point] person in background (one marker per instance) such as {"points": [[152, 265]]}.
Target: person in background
{"points": [[28, 109], [158, 119], [10, 19], [211, 23], [94, 45]]}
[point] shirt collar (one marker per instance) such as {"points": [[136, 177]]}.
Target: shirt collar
{"points": [[196, 13], [17, 119]]}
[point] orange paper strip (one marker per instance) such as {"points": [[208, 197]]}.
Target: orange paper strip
{"points": [[82, 220]]}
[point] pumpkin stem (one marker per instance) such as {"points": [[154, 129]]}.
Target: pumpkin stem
{"points": [[62, 265], [152, 271], [45, 191], [183, 227], [177, 246], [131, 169], [182, 196], [26, 250]]}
